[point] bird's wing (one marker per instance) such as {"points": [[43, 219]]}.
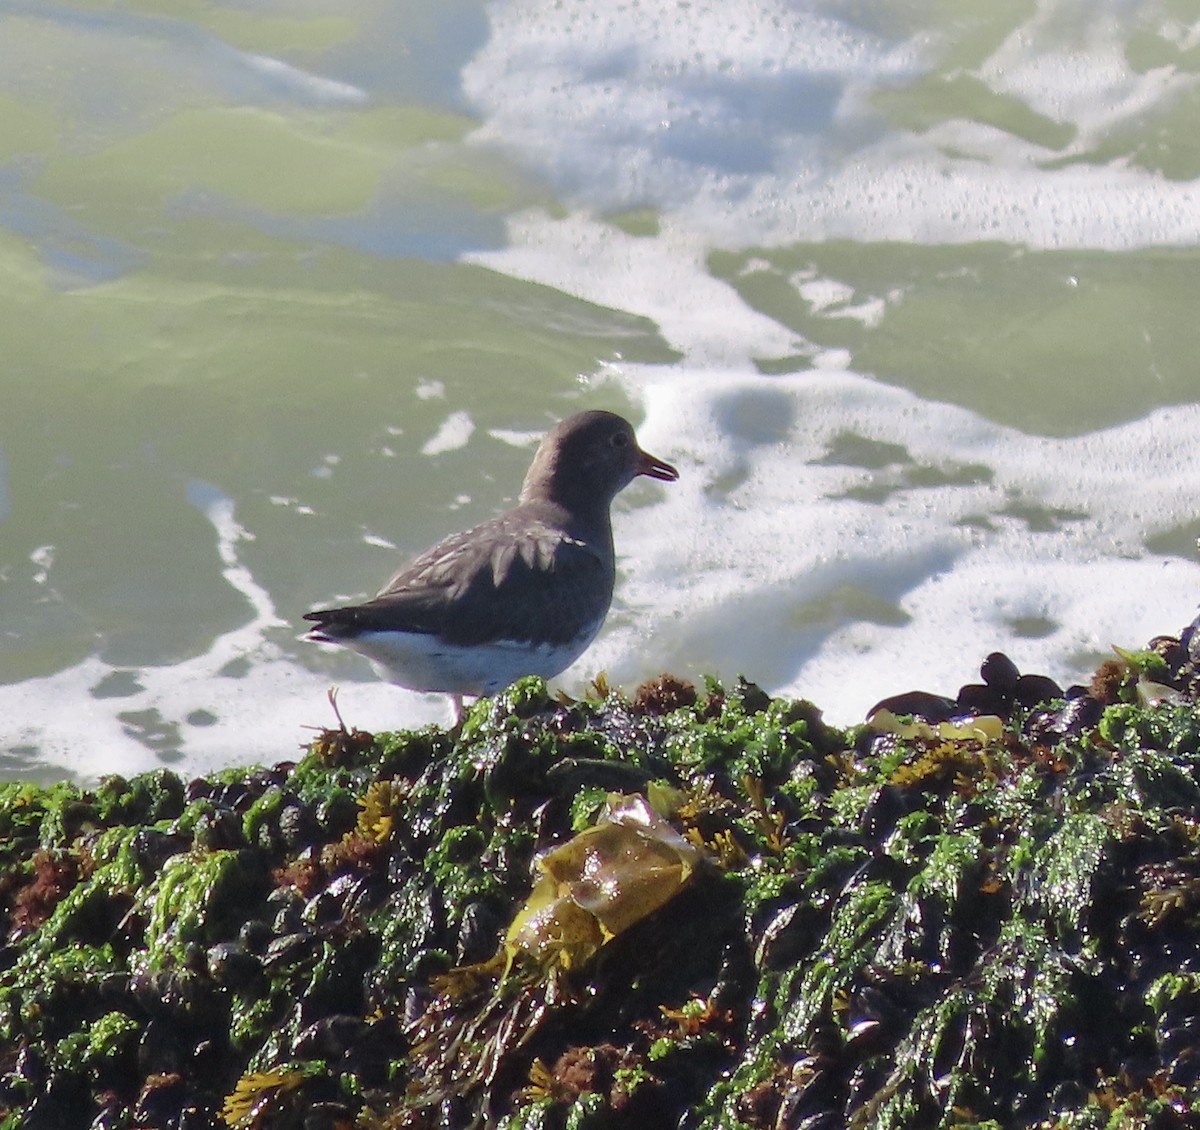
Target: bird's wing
{"points": [[507, 579]]}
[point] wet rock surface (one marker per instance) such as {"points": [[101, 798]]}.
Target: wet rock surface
{"points": [[691, 907]]}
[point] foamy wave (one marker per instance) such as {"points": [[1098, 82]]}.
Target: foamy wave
{"points": [[243, 700], [838, 539], [753, 123], [832, 536]]}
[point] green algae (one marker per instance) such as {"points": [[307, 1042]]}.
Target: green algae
{"points": [[196, 902], [881, 931], [111, 1040]]}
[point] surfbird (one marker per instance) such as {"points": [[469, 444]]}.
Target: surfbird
{"points": [[521, 594]]}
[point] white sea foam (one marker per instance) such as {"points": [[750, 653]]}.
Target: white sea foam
{"points": [[200, 717], [516, 439], [1077, 70], [663, 279], [453, 434], [768, 559], [750, 123]]}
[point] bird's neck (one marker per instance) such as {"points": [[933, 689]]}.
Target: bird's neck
{"points": [[544, 483], [585, 517]]}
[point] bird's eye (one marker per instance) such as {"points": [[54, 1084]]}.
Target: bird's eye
{"points": [[619, 439]]}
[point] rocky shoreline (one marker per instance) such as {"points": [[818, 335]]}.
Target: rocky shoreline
{"points": [[693, 907]]}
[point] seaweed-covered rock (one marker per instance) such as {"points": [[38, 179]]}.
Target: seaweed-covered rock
{"points": [[691, 908]]}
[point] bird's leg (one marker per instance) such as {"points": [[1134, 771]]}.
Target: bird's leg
{"points": [[456, 705]]}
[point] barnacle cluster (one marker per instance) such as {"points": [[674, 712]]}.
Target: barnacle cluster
{"points": [[697, 907]]}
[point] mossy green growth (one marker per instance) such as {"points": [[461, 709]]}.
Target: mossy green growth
{"points": [[148, 798], [875, 931], [1148, 662], [111, 1039], [43, 814], [198, 901], [748, 735], [1171, 728]]}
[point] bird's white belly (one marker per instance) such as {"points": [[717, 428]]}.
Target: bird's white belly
{"points": [[422, 662]]}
